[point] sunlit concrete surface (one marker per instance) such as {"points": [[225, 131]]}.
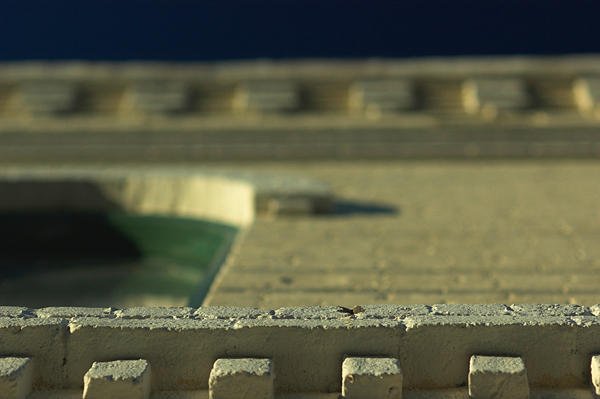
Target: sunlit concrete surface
{"points": [[303, 351], [428, 232], [443, 189]]}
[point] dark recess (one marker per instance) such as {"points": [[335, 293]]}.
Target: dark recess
{"points": [[45, 240]]}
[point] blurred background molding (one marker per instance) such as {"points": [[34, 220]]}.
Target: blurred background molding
{"points": [[305, 109]]}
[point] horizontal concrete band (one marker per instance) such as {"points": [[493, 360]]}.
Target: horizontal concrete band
{"points": [[295, 136], [307, 345], [239, 109], [313, 144], [256, 69]]}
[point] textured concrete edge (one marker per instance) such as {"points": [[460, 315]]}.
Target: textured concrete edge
{"points": [[490, 312], [253, 69], [432, 343]]}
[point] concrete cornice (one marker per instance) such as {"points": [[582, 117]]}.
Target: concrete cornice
{"points": [[302, 109], [433, 344]]}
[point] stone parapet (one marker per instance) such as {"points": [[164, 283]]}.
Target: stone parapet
{"points": [[433, 345]]}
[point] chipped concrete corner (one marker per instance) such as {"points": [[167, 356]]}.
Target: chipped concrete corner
{"points": [[433, 345]]}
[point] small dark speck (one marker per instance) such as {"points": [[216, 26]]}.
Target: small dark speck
{"points": [[286, 280]]}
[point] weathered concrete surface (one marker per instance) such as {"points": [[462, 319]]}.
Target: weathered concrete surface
{"points": [[368, 377], [311, 347], [428, 232], [433, 345], [498, 377], [16, 375], [42, 339], [241, 378], [119, 379]]}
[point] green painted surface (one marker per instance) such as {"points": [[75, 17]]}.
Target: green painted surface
{"points": [[110, 259], [176, 252]]}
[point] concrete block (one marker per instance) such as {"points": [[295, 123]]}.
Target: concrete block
{"points": [[386, 95], [496, 377], [48, 97], [41, 339], [241, 378], [159, 97], [16, 375], [371, 377], [266, 96], [595, 366], [120, 379], [493, 94]]}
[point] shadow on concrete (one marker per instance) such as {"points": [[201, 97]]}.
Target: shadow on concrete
{"points": [[100, 259], [31, 195], [353, 207], [42, 240]]}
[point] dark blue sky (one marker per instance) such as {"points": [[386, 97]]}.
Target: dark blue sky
{"points": [[226, 29]]}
